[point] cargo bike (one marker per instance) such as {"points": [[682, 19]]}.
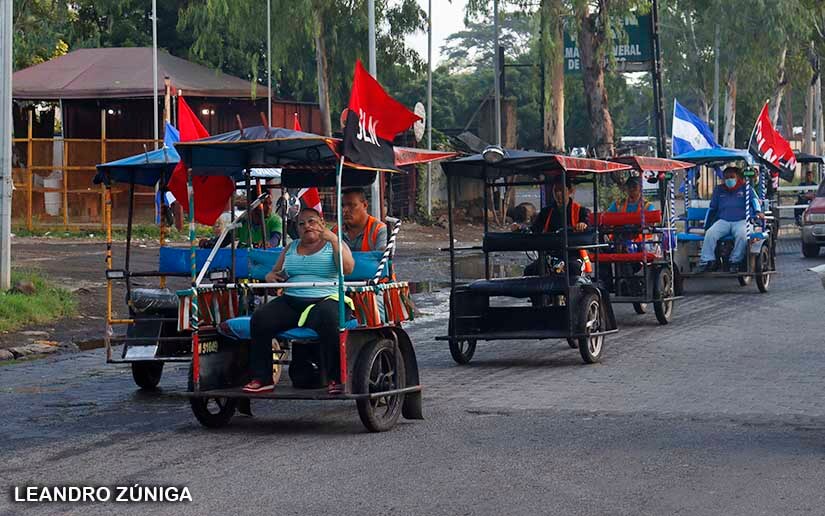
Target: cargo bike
{"points": [[378, 371], [555, 303], [760, 257], [638, 267]]}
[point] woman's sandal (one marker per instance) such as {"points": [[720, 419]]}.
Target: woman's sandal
{"points": [[256, 386]]}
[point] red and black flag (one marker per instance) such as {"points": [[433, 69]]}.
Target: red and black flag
{"points": [[770, 148], [372, 122]]}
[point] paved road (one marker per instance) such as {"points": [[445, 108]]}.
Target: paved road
{"points": [[721, 412]]}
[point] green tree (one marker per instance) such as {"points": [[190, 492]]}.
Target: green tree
{"points": [[40, 31]]}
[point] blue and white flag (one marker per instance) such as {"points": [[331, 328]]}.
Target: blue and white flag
{"points": [[689, 131], [171, 136]]}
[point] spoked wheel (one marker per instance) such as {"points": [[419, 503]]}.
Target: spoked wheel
{"points": [[664, 288], [147, 374], [590, 321], [379, 369], [763, 265], [463, 350], [640, 308], [213, 412]]}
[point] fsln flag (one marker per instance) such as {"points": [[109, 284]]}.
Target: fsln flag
{"points": [[690, 132], [770, 148], [211, 192], [372, 122], [296, 123]]}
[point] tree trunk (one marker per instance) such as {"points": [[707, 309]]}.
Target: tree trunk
{"points": [[729, 133], [808, 123], [779, 90], [787, 116], [322, 69], [591, 53], [552, 50], [820, 130]]}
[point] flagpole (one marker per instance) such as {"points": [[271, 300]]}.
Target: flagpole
{"points": [[375, 198], [430, 106]]}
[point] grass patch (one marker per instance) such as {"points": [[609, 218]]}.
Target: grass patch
{"points": [[46, 304], [139, 232]]}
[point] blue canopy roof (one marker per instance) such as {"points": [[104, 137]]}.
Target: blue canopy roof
{"points": [[717, 156], [144, 169]]}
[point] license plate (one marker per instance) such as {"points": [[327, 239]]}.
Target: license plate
{"points": [[819, 230]]}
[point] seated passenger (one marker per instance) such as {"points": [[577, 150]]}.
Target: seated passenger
{"points": [[550, 220], [728, 206], [311, 258], [362, 231], [633, 192], [274, 227]]}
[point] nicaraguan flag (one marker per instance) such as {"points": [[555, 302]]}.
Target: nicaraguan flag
{"points": [[689, 131]]}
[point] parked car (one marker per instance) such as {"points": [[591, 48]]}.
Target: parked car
{"points": [[813, 224]]}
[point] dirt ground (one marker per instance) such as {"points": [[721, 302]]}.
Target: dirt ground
{"points": [[79, 264]]}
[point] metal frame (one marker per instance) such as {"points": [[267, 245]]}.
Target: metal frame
{"points": [[567, 288]]}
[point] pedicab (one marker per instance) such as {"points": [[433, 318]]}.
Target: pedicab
{"points": [[562, 304], [638, 265], [378, 371], [152, 337], [760, 257]]}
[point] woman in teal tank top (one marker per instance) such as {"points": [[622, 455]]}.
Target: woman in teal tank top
{"points": [[311, 258]]}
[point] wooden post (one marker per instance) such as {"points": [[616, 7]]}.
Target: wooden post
{"points": [[29, 171], [65, 185], [102, 160]]}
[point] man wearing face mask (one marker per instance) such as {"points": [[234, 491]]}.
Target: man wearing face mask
{"points": [[728, 208]]}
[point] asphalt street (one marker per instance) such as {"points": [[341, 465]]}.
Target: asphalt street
{"points": [[720, 412]]}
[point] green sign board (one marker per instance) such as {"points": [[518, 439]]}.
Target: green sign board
{"points": [[631, 52]]}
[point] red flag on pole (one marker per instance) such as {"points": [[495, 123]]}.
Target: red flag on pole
{"points": [[211, 192], [296, 123], [770, 148], [373, 120], [310, 198]]}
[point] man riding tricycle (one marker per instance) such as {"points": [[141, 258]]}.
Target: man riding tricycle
{"points": [[557, 298], [733, 234]]}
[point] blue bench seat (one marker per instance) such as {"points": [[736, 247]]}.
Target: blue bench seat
{"points": [[239, 328]]}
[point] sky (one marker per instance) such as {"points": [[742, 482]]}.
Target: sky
{"points": [[448, 17]]}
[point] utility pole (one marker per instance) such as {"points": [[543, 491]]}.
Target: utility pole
{"points": [[497, 72], [155, 68], [661, 137], [716, 85], [269, 61], [430, 106], [375, 198], [6, 134]]}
